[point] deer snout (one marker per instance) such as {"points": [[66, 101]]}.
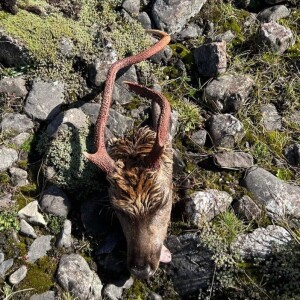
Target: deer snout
{"points": [[141, 272]]}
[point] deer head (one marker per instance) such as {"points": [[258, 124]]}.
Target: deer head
{"points": [[139, 170]]}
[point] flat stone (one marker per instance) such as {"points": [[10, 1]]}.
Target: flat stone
{"points": [[211, 59], [8, 157], [199, 137], [50, 295], [228, 93], [171, 16], [225, 130], [276, 37], [118, 124], [18, 176], [44, 100], [273, 13], [16, 122], [247, 209], [27, 230], [54, 201], [270, 118], [75, 276], [15, 86], [233, 160], [203, 206], [5, 266], [17, 276], [31, 215], [260, 242], [20, 139], [64, 239], [39, 248]]}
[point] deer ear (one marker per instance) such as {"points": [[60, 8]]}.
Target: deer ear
{"points": [[165, 255]]}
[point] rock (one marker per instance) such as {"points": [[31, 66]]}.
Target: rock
{"points": [[91, 110], [6, 202], [292, 154], [225, 130], [15, 87], [154, 296], [18, 176], [27, 230], [55, 202], [132, 6], [20, 139], [44, 100], [211, 59], [1, 257], [248, 209], [280, 199], [50, 295], [17, 276], [227, 36], [75, 276], [276, 37], [191, 31], [270, 118], [171, 16], [228, 93], [118, 124], [16, 122], [191, 267], [295, 117], [174, 123], [145, 20], [12, 52], [199, 137], [259, 243], [5, 266], [273, 1], [8, 156], [233, 160], [115, 291], [66, 47], [31, 215], [39, 248], [203, 206], [273, 13], [162, 56], [65, 238]]}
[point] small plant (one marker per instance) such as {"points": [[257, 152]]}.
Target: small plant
{"points": [[9, 220], [55, 223], [8, 293]]}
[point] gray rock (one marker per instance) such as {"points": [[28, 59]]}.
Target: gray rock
{"points": [[259, 243], [75, 276], [199, 137], [225, 130], [280, 199], [228, 93], [44, 100], [115, 291], [295, 117], [16, 122], [191, 31], [8, 156], [227, 36], [233, 160], [17, 276], [12, 52], [276, 37], [1, 257], [55, 202], [13, 86], [39, 248], [171, 16], [161, 56], [65, 238], [271, 120], [18, 176], [20, 139], [50, 295], [5, 266], [31, 215], [174, 123], [211, 59], [91, 110], [248, 209], [191, 267], [6, 202], [203, 206], [27, 230], [66, 47], [273, 13], [118, 124], [145, 20], [292, 154], [132, 6], [154, 296]]}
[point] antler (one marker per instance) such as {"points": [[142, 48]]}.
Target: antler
{"points": [[101, 158], [152, 160]]}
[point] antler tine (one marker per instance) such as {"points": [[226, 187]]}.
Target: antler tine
{"points": [[163, 122], [101, 158]]}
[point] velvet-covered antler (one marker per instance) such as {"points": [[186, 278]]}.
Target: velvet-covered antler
{"points": [[101, 158]]}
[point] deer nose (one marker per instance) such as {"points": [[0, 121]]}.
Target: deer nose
{"points": [[141, 272]]}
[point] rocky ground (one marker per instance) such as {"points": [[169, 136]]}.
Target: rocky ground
{"points": [[231, 74]]}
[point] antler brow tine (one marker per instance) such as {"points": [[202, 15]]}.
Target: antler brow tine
{"points": [[101, 158]]}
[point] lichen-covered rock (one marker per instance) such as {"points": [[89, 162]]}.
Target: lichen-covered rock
{"points": [[247, 209], [50, 295], [203, 206], [64, 239], [15, 86], [228, 92], [225, 130], [20, 139], [259, 243], [273, 13], [233, 160], [211, 59], [27, 230], [18, 176], [5, 266], [44, 100], [16, 122], [118, 124], [39, 248], [171, 16], [8, 156], [75, 276], [17, 276], [91, 110], [276, 37], [292, 154], [199, 137], [191, 31], [270, 118], [31, 215], [280, 199]]}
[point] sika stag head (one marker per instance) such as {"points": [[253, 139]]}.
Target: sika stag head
{"points": [[139, 170]]}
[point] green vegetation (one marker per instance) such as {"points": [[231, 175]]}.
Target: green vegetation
{"points": [[9, 220], [55, 223]]}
